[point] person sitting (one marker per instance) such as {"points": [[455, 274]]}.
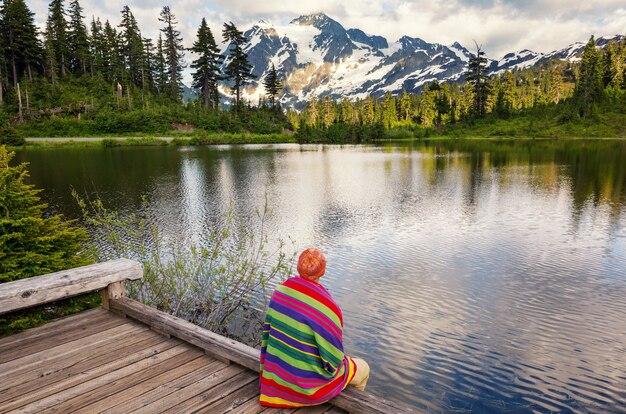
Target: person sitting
{"points": [[302, 357]]}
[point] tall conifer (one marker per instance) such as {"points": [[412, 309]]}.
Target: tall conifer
{"points": [[174, 53], [19, 37], [238, 69], [207, 72], [589, 88], [97, 47], [131, 47], [57, 26], [476, 76], [272, 85], [161, 79], [77, 40]]}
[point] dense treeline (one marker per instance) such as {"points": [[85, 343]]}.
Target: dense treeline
{"points": [[566, 90], [73, 80]]}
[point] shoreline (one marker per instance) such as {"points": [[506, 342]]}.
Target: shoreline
{"points": [[239, 139]]}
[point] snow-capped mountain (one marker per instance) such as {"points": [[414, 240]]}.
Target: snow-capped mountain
{"points": [[317, 57]]}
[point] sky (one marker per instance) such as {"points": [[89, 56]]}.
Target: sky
{"points": [[499, 26]]}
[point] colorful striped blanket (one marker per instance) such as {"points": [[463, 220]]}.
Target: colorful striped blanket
{"points": [[302, 359]]}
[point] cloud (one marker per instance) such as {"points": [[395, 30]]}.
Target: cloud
{"points": [[501, 26]]}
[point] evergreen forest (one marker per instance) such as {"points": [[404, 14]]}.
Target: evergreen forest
{"points": [[100, 78]]}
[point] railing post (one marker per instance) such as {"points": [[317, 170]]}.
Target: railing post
{"points": [[113, 291]]}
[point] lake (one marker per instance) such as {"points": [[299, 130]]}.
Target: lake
{"points": [[474, 276]]}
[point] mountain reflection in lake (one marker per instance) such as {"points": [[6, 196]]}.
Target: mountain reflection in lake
{"points": [[474, 276]]}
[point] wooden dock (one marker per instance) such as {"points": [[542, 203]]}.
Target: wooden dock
{"points": [[129, 358]]}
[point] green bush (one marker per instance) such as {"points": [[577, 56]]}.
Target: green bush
{"points": [[111, 122], [10, 136], [33, 244], [59, 127]]}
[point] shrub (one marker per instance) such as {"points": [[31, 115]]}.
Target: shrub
{"points": [[10, 136], [32, 244], [208, 283]]}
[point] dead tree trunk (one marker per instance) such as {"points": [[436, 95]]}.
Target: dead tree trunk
{"points": [[19, 100]]}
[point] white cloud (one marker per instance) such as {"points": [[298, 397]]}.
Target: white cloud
{"points": [[500, 26]]}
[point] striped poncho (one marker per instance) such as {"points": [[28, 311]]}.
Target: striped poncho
{"points": [[302, 359]]}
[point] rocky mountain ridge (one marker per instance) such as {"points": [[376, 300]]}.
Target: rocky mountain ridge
{"points": [[317, 57]]}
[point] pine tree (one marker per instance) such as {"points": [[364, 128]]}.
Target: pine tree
{"points": [[161, 79], [19, 38], [238, 69], [77, 40], [96, 47], [31, 242], [588, 88], [112, 55], [51, 66], [389, 110], [368, 113], [147, 67], [428, 105], [405, 106], [555, 88], [443, 103], [272, 85], [327, 111], [505, 96], [312, 114], [131, 47], [174, 53], [476, 76], [207, 73], [57, 27], [347, 113]]}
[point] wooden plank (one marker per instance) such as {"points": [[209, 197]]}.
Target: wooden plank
{"points": [[233, 400], [213, 394], [48, 362], [335, 410], [54, 326], [175, 400], [350, 399], [142, 388], [36, 404], [251, 406], [61, 368], [21, 363], [37, 290], [143, 356], [213, 343], [121, 383], [163, 390], [315, 409], [50, 343]]}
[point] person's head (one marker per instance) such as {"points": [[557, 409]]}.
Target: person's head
{"points": [[311, 264]]}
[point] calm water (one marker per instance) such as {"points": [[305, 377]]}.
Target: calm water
{"points": [[474, 277]]}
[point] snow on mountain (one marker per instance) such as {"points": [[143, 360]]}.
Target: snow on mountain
{"points": [[316, 56]]}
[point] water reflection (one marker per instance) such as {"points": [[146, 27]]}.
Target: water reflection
{"points": [[474, 276]]}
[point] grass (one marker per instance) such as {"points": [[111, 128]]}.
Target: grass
{"points": [[157, 140], [609, 122]]}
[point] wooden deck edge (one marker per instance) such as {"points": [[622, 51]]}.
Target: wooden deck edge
{"points": [[33, 291], [350, 399]]}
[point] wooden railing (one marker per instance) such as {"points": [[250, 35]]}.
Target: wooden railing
{"points": [[107, 277]]}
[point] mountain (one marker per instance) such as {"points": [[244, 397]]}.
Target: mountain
{"points": [[317, 57]]}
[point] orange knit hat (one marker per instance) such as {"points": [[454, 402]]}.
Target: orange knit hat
{"points": [[311, 264]]}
